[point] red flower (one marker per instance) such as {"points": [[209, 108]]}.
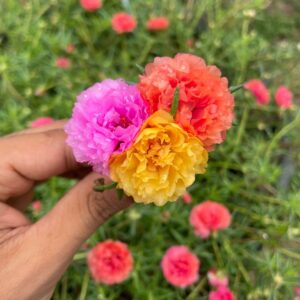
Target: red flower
{"points": [[205, 103], [70, 48], [91, 5], [187, 198], [110, 262], [258, 89], [158, 23], [36, 206], [41, 122], [209, 216], [63, 62], [180, 267], [122, 22], [283, 97], [222, 293]]}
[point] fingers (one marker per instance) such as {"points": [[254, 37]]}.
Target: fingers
{"points": [[11, 218], [48, 246], [55, 125], [27, 158]]}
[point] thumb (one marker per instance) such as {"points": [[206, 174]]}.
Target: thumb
{"points": [[46, 248], [78, 214]]}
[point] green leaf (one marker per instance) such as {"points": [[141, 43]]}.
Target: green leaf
{"points": [[175, 103]]}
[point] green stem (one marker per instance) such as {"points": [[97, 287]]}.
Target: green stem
{"points": [[101, 188], [197, 289], [84, 286], [235, 88]]}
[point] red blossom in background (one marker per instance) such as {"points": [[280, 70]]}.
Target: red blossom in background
{"points": [[110, 262], [217, 279], [187, 198], [123, 22], [42, 121], [158, 23], [36, 206], [63, 62], [222, 293], [283, 97], [180, 267], [258, 89], [209, 217], [91, 5], [70, 48]]}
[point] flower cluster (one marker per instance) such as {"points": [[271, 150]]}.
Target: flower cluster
{"points": [[111, 262], [133, 134], [283, 96]]}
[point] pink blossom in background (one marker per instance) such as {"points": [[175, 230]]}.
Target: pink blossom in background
{"points": [[158, 23], [258, 89], [180, 267], [297, 290], [106, 119], [63, 62], [36, 206], [222, 293], [283, 97], [187, 198], [190, 43], [70, 48], [217, 279], [209, 216], [91, 5], [123, 22], [41, 122], [110, 262]]}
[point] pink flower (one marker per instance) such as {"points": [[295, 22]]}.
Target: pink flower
{"points": [[122, 22], [180, 267], [110, 262], [158, 23], [70, 48], [63, 62], [208, 217], [91, 5], [222, 293], [297, 290], [190, 43], [36, 206], [41, 122], [106, 119], [283, 97], [187, 198], [217, 279], [258, 89]]}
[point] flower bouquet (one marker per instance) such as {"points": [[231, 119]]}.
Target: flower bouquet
{"points": [[153, 137]]}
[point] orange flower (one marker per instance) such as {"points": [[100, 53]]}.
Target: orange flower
{"points": [[205, 103]]}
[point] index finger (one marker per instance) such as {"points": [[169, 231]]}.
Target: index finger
{"points": [[25, 159]]}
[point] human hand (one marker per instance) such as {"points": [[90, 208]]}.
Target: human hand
{"points": [[33, 257]]}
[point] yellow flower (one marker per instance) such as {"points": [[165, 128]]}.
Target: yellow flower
{"points": [[161, 163]]}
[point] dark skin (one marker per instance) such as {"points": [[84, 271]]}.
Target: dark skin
{"points": [[34, 256]]}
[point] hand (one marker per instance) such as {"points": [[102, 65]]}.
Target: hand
{"points": [[33, 257]]}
